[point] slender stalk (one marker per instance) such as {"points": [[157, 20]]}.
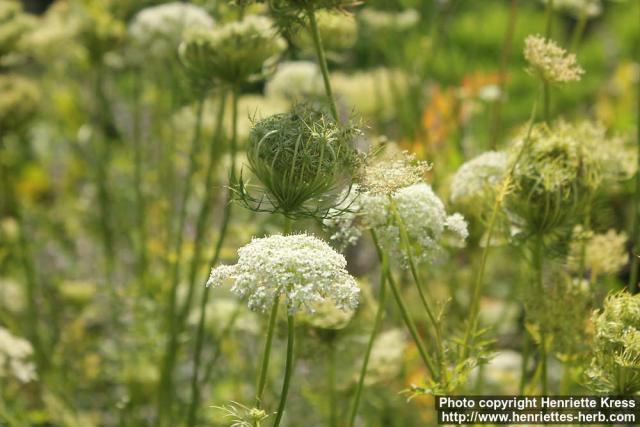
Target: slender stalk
{"points": [[137, 182], [322, 59], [549, 19], [578, 31], [496, 125], [384, 271], [404, 236], [102, 161], [477, 290], [538, 266], [266, 352], [635, 212], [331, 377], [405, 314], [288, 370], [526, 347], [166, 380], [203, 215]]}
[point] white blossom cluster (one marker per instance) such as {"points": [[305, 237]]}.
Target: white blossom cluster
{"points": [[15, 353], [477, 175], [157, 30], [415, 207], [422, 214], [301, 268], [295, 80], [551, 62]]}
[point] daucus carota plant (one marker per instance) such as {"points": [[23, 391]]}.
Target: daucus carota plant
{"points": [[299, 270]]}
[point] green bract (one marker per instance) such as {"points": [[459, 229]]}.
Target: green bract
{"points": [[302, 158], [233, 53], [615, 367]]}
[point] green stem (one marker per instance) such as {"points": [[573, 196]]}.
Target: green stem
{"points": [[331, 374], [635, 212], [384, 271], [405, 314], [579, 30], [404, 237], [288, 370], [477, 290], [538, 266], [322, 59], [192, 416], [166, 386], [137, 183], [472, 325], [526, 349], [266, 352], [549, 20], [496, 127]]}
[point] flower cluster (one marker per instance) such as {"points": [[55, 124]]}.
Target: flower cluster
{"points": [[157, 31], [15, 353], [295, 80], [603, 253], [301, 268], [339, 32], [383, 22], [387, 175], [551, 62], [417, 210], [234, 52], [615, 367], [578, 8], [479, 176], [386, 357]]}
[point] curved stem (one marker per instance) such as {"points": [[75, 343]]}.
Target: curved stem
{"points": [[384, 271], [405, 314], [404, 237], [322, 59], [549, 20], [288, 370]]}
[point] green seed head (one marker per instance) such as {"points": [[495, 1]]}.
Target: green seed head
{"points": [[303, 159], [233, 53]]}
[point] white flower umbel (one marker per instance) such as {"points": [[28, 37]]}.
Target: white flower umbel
{"points": [[157, 31], [295, 80], [475, 177], [15, 353], [301, 268], [422, 214]]}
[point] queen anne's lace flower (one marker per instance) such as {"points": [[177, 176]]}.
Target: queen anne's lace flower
{"points": [[390, 174], [478, 175], [15, 353], [295, 80], [550, 61], [301, 268], [157, 30]]}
